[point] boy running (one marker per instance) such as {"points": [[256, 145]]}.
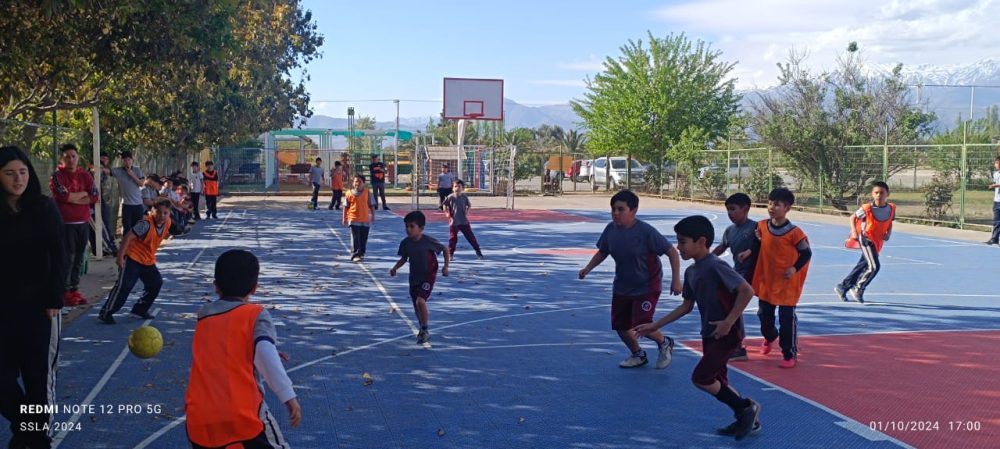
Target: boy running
{"points": [[721, 295], [359, 214], [636, 248], [137, 260], [871, 226], [317, 177], [235, 344], [783, 255], [737, 238], [421, 251], [456, 208]]}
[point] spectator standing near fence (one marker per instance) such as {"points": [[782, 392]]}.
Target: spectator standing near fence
{"points": [[445, 181], [107, 230], [376, 170], [995, 236], [33, 273], [210, 179], [74, 192], [130, 182], [197, 186]]}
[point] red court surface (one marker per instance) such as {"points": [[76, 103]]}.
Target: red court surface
{"points": [[501, 216], [927, 389]]}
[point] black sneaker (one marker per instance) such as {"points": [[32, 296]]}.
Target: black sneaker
{"points": [[106, 319], [384, 207], [730, 430], [740, 355], [990, 242], [143, 315], [423, 336], [479, 254], [745, 420], [840, 293]]}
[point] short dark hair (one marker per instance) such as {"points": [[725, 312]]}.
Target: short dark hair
{"points": [[126, 154], [162, 202], [783, 195], [997, 159], [153, 177], [739, 199], [881, 184], [631, 199], [236, 273], [103, 154], [319, 159], [195, 163], [66, 147], [695, 227], [209, 163], [336, 163], [374, 156], [416, 217], [459, 182], [361, 177]]}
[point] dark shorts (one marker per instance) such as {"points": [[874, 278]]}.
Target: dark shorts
{"points": [[715, 357], [421, 290], [630, 311]]}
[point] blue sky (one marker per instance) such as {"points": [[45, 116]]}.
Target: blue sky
{"points": [[544, 49]]}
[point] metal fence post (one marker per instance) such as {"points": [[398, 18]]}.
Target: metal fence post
{"points": [[770, 170], [964, 167], [820, 185], [885, 157]]}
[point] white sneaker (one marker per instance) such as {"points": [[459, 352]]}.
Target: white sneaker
{"points": [[856, 295], [666, 353], [634, 361]]}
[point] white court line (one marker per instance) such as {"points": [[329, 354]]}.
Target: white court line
{"points": [[957, 295], [956, 242], [217, 228], [851, 424], [156, 435], [385, 293], [96, 390]]}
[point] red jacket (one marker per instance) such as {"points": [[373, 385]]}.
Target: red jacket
{"points": [[62, 183]]}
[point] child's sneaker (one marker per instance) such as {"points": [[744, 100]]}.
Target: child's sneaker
{"points": [[857, 295], [666, 351], [746, 420], [355, 258], [740, 355], [423, 336], [730, 430], [840, 293], [634, 361], [787, 363], [479, 254], [765, 348]]}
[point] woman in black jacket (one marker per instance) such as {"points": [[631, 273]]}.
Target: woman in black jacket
{"points": [[32, 273]]}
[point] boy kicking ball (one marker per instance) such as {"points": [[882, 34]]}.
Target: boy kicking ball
{"points": [[421, 251], [721, 295]]}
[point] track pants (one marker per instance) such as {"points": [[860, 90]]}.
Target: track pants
{"points": [[133, 271], [29, 350], [210, 206], [466, 230], [196, 201], [788, 335], [76, 250], [864, 272], [359, 239]]}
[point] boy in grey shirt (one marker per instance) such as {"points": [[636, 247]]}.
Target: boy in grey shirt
{"points": [[316, 177], [130, 183], [738, 238], [456, 208], [421, 251]]}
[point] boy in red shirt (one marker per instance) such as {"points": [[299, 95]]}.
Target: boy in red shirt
{"points": [[74, 192]]}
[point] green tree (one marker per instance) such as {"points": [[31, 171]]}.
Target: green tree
{"points": [[645, 98], [812, 119]]}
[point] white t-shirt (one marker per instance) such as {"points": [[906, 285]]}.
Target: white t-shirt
{"points": [[996, 190], [197, 181]]}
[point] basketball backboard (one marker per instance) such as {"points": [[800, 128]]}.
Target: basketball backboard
{"points": [[473, 99]]}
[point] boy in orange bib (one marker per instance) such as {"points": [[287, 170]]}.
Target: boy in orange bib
{"points": [[234, 343], [871, 226], [783, 256]]}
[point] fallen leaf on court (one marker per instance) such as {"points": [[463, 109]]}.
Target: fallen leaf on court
{"points": [[368, 379], [440, 432], [349, 408], [520, 420], [527, 307], [393, 309]]}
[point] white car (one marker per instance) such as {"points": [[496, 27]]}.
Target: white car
{"points": [[734, 171], [618, 172]]}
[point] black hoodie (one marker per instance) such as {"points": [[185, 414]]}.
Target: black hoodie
{"points": [[33, 266]]}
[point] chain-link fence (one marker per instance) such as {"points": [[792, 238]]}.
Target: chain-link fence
{"points": [[941, 184]]}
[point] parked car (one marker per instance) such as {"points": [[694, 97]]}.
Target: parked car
{"points": [[735, 171], [618, 171], [581, 169]]}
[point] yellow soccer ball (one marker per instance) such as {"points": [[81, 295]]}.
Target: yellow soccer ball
{"points": [[145, 342]]}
